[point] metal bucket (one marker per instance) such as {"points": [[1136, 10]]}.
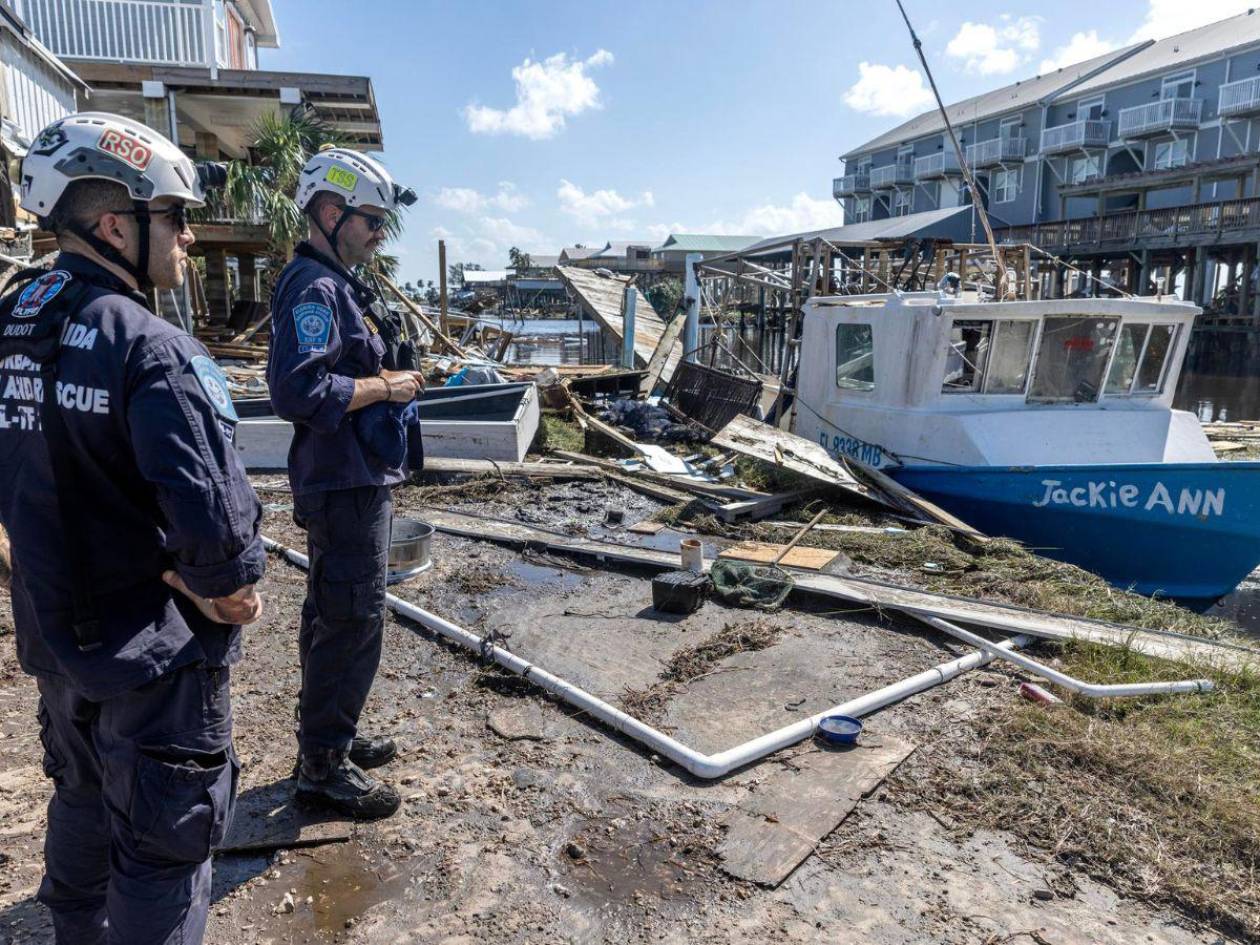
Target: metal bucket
{"points": [[409, 549]]}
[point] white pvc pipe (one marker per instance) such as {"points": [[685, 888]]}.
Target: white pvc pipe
{"points": [[699, 764], [1070, 683]]}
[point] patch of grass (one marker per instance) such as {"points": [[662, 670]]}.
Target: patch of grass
{"points": [[1158, 797], [557, 433]]}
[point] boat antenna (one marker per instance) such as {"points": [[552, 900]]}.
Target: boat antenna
{"points": [[976, 202]]}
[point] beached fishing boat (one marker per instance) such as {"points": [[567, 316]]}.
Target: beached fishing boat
{"points": [[1048, 421]]}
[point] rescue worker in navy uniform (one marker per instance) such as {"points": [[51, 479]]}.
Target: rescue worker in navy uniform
{"points": [[334, 352], [134, 535]]}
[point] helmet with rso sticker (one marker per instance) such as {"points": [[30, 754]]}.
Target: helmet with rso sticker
{"points": [[106, 147], [356, 178]]}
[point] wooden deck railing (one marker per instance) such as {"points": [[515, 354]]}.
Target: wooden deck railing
{"points": [[1135, 226]]}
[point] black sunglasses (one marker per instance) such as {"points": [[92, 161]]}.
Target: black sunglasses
{"points": [[374, 223], [177, 215]]}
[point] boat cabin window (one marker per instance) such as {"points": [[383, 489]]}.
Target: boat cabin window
{"points": [[990, 357], [1141, 361], [855, 357], [1072, 357]]}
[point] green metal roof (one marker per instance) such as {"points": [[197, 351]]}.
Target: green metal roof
{"points": [[704, 243]]}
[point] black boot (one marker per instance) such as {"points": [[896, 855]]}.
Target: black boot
{"points": [[330, 779], [372, 752]]}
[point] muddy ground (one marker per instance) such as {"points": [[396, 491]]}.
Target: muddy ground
{"points": [[524, 822]]}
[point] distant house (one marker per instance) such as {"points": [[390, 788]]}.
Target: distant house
{"points": [[485, 278], [674, 251], [617, 256], [36, 88], [540, 267]]}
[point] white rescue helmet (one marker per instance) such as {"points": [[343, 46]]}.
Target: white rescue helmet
{"points": [[358, 179], [98, 145]]}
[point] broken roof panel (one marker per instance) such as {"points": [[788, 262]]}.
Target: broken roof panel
{"points": [[601, 298], [953, 223]]}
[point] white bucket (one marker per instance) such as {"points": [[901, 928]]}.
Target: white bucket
{"points": [[692, 555]]}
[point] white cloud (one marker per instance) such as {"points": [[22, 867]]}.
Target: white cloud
{"points": [[487, 239], [888, 90], [1080, 47], [546, 93], [802, 213], [467, 200], [996, 50], [1168, 17], [600, 207]]}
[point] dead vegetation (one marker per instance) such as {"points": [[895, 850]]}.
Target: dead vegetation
{"points": [[1156, 797], [692, 662], [480, 579]]}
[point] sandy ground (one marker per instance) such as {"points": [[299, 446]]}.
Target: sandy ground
{"points": [[565, 833]]}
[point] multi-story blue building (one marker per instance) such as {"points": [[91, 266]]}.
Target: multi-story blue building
{"points": [[1143, 164]]}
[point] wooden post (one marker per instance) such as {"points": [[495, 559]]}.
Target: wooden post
{"points": [[248, 268], [218, 292], [442, 321], [1244, 277]]}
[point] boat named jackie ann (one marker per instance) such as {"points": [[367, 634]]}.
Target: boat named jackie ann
{"points": [[1046, 421]]}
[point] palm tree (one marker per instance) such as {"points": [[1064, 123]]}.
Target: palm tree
{"points": [[266, 183]]}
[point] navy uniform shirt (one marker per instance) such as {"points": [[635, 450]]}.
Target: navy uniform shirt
{"points": [[321, 342], [150, 428]]}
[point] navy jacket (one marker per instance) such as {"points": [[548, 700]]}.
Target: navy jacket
{"points": [[150, 427], [321, 342]]}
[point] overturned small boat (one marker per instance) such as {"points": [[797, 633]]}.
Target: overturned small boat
{"points": [[1047, 421]]}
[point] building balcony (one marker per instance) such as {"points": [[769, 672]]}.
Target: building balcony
{"points": [[850, 185], [997, 151], [936, 166], [891, 176], [1169, 114], [1240, 98], [1193, 224], [1076, 135]]}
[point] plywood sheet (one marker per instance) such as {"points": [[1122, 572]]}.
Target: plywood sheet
{"points": [[811, 559], [780, 824], [268, 818]]}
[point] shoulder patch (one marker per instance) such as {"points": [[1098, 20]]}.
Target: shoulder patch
{"points": [[212, 380], [314, 324], [40, 292]]}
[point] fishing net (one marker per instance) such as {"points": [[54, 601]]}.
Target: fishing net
{"points": [[750, 585]]}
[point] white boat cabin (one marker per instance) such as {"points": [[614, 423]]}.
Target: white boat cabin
{"points": [[927, 379]]}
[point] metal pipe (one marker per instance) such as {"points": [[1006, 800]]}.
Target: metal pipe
{"points": [[691, 292], [1092, 690], [699, 764], [627, 328]]}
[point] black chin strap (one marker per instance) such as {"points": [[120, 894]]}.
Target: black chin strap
{"points": [[331, 238], [138, 270]]}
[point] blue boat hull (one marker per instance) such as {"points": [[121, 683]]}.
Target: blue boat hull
{"points": [[1187, 530]]}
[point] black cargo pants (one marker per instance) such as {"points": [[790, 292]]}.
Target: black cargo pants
{"points": [[343, 618], [145, 784]]}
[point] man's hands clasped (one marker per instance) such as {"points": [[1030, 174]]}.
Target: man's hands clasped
{"points": [[402, 387]]}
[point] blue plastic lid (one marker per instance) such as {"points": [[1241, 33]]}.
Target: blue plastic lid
{"points": [[842, 729]]}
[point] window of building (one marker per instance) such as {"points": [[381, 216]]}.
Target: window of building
{"points": [[902, 199], [1073, 355], [1180, 85], [220, 33], [1175, 153], [989, 357], [1005, 187], [861, 209], [1009, 128], [1090, 109], [905, 155], [855, 357], [1141, 359], [1085, 168]]}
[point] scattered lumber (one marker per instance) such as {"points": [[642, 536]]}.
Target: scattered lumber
{"points": [[415, 310], [775, 828], [709, 490], [878, 595], [601, 298], [808, 559], [890, 486], [656, 364], [476, 467], [761, 506]]}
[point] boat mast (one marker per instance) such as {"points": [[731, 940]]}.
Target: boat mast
{"points": [[976, 202]]}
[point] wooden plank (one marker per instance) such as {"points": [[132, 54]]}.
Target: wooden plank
{"points": [[761, 441], [646, 528], [892, 487], [601, 298], [759, 507], [656, 364], [809, 559], [879, 595], [267, 818], [776, 827], [473, 467], [694, 486]]}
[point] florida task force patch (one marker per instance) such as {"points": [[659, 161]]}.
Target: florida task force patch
{"points": [[40, 292], [212, 380], [314, 324]]}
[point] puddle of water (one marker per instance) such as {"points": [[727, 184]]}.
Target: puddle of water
{"points": [[342, 881], [535, 574], [621, 859]]}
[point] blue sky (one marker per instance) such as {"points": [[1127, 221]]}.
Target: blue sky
{"points": [[549, 123]]}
